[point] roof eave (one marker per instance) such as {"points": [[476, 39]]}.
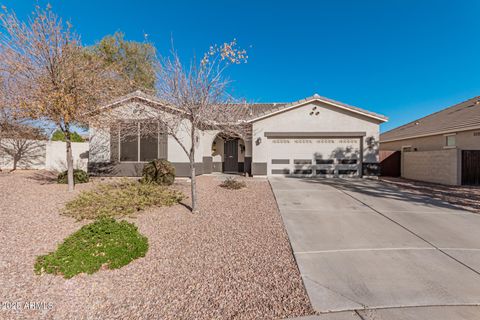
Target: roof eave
{"points": [[436, 133], [312, 99], [136, 95]]}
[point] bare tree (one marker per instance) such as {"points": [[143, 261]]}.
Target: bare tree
{"points": [[199, 92], [194, 98], [49, 76]]}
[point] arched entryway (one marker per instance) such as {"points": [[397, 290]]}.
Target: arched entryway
{"points": [[228, 154]]}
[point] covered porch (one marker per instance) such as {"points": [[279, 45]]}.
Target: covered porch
{"points": [[231, 154]]}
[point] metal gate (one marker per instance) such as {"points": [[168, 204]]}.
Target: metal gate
{"points": [[471, 167]]}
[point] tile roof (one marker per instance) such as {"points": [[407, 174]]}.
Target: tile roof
{"points": [[455, 118], [253, 111], [249, 111], [315, 97]]}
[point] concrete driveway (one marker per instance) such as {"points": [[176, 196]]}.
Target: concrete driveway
{"points": [[367, 250]]}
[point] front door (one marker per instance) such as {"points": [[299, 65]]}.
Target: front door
{"points": [[231, 155]]}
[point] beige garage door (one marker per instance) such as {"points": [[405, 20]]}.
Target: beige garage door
{"points": [[325, 157]]}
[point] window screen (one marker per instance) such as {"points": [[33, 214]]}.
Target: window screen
{"points": [[324, 161], [302, 161], [325, 171], [450, 141], [148, 141], [280, 161], [280, 171], [348, 161], [348, 171], [128, 143], [302, 171]]}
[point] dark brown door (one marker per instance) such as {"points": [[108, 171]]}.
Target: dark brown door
{"points": [[390, 163], [471, 167], [231, 156]]}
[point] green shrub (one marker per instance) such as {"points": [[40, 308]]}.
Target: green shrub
{"points": [[158, 171], [120, 199], [58, 135], [103, 243], [79, 176], [233, 184]]}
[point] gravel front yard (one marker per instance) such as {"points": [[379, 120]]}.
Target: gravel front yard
{"points": [[231, 261], [466, 197]]}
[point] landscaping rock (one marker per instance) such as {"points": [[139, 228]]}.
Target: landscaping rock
{"points": [[231, 261]]}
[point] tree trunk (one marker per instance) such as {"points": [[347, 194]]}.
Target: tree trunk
{"points": [[193, 186], [191, 157], [71, 182], [15, 161]]}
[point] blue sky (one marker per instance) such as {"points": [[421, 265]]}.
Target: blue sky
{"points": [[404, 59]]}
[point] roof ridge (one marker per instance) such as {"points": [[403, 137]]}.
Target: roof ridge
{"points": [[253, 103]]}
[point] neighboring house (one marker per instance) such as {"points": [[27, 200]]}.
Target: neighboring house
{"points": [[315, 136], [442, 147]]}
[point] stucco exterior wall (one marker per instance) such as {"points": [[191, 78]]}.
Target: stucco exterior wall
{"points": [[218, 154], [466, 140], [440, 166], [207, 137], [329, 119], [175, 150], [99, 139], [33, 158], [48, 155], [56, 158]]}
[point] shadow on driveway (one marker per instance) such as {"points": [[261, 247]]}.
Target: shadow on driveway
{"points": [[380, 189]]}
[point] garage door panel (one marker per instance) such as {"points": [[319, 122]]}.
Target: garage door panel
{"points": [[314, 157]]}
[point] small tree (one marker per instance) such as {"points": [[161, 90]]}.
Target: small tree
{"points": [[199, 93], [58, 135], [50, 76], [135, 59]]}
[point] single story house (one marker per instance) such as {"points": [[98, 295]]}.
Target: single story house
{"points": [[314, 136], [442, 147]]}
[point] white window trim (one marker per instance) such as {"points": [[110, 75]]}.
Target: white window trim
{"points": [[445, 136]]}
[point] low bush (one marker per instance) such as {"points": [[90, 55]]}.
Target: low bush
{"points": [[120, 199], [233, 184], [159, 171], [104, 243], [79, 176]]}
